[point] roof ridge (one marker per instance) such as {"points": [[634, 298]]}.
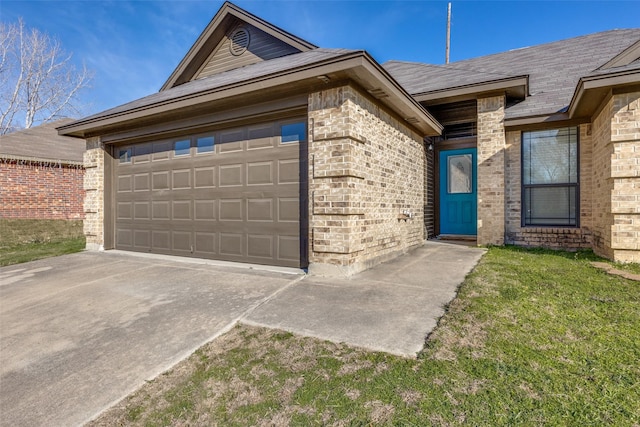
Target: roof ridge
{"points": [[450, 67]]}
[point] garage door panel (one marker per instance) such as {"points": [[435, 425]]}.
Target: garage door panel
{"points": [[260, 246], [124, 238], [259, 173], [181, 241], [288, 171], [181, 179], [288, 248], [205, 210], [181, 210], [260, 210], [231, 210], [161, 240], [142, 239], [236, 201], [231, 175], [124, 210], [288, 209], [230, 244], [205, 177], [141, 210]]}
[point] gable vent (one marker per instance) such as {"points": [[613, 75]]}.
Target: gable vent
{"points": [[239, 41]]}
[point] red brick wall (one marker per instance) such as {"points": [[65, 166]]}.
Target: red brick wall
{"points": [[35, 191]]}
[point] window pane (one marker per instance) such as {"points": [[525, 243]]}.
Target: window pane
{"points": [[550, 156], [205, 144], [460, 176], [181, 148], [124, 154], [294, 132], [550, 205]]}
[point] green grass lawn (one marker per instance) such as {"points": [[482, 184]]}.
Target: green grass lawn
{"points": [[23, 240], [26, 252], [533, 338]]}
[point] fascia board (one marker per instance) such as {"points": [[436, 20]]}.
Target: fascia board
{"points": [[586, 85], [476, 89]]}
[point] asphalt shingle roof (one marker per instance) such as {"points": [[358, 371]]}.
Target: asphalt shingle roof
{"points": [[554, 70], [238, 75], [42, 143]]}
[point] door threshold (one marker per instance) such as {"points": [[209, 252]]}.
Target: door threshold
{"points": [[458, 239]]}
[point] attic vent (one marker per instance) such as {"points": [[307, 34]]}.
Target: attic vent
{"points": [[239, 41], [378, 93]]}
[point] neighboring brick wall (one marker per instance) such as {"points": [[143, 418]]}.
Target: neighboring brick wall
{"points": [[94, 159], [39, 190], [491, 171], [365, 168], [548, 237]]}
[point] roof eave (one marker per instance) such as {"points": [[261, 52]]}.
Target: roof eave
{"points": [[516, 87], [359, 66], [592, 90]]}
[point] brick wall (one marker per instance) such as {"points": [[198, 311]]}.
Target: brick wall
{"points": [[624, 182], [548, 237], [94, 158], [491, 171], [365, 169], [36, 190]]}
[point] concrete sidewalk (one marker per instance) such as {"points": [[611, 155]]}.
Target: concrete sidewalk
{"points": [[391, 308]]}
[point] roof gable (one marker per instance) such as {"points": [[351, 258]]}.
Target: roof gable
{"points": [[626, 57], [214, 51]]}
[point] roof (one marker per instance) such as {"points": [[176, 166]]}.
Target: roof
{"points": [[554, 70], [42, 143], [285, 72]]}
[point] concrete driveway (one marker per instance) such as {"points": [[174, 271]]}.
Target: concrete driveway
{"points": [[80, 332]]}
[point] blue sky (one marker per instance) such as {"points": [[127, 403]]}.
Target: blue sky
{"points": [[133, 46]]}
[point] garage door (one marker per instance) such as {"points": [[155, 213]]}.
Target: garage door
{"points": [[231, 195]]}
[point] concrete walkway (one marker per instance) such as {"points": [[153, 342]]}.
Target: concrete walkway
{"points": [[391, 308], [80, 332]]}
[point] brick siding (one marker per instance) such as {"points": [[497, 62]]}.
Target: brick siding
{"points": [[365, 168], [36, 190], [491, 171], [94, 159]]}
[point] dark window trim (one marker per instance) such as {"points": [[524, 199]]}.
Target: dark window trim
{"points": [[523, 186]]}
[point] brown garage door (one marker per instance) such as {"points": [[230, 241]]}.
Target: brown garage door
{"points": [[232, 195]]}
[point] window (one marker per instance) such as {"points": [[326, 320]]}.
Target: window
{"points": [[181, 148], [293, 132], [124, 154], [550, 177], [205, 144], [460, 174]]}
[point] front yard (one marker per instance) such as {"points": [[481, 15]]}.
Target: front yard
{"points": [[533, 338]]}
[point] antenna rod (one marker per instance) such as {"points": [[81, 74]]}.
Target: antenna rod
{"points": [[446, 57]]}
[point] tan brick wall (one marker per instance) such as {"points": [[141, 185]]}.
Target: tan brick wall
{"points": [[40, 190], [625, 176], [365, 169], [491, 171], [548, 237], [94, 158]]}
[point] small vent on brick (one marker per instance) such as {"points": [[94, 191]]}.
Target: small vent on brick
{"points": [[239, 41], [378, 93]]}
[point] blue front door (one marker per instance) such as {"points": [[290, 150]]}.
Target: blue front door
{"points": [[458, 192]]}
